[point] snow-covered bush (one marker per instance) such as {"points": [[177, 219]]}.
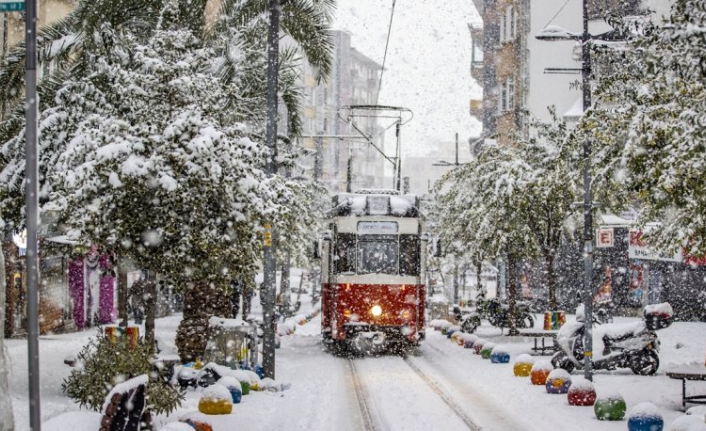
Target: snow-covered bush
{"points": [[103, 363]]}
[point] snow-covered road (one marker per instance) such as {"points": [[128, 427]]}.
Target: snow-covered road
{"points": [[323, 393]]}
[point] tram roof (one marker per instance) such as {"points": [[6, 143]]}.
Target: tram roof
{"points": [[375, 203]]}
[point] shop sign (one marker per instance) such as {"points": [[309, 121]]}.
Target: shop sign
{"points": [[605, 237], [637, 249]]}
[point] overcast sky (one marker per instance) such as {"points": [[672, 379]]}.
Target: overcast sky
{"points": [[428, 63]]}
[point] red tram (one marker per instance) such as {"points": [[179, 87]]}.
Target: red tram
{"points": [[372, 271]]}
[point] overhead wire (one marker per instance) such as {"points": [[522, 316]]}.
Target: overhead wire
{"points": [[384, 57]]}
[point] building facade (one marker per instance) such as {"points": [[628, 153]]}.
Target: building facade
{"points": [[342, 157]]}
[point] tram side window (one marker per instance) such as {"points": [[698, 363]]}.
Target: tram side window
{"points": [[345, 253], [377, 256], [409, 255]]}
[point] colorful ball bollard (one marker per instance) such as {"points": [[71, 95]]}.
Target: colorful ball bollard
{"points": [[233, 386], [645, 417], [450, 333], [487, 350], [245, 387], [216, 400], [478, 346], [499, 356], [540, 371], [610, 407], [558, 382], [523, 365], [468, 343], [581, 393]]}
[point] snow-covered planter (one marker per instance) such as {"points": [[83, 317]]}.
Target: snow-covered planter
{"points": [[216, 400], [610, 407], [581, 393], [645, 417], [233, 386], [540, 371], [499, 355], [558, 382], [523, 365]]}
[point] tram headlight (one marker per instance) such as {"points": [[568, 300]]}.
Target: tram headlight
{"points": [[405, 314], [376, 310]]}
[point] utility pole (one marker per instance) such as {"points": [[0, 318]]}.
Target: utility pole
{"points": [[269, 265], [32, 212], [587, 205]]}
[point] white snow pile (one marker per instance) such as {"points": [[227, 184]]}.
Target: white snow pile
{"points": [[610, 395], [688, 423], [581, 384], [543, 365], [558, 373], [440, 324], [501, 349], [241, 375], [217, 392], [664, 309], [645, 409], [489, 346], [287, 327], [230, 383], [525, 359], [222, 322], [177, 426], [271, 385]]}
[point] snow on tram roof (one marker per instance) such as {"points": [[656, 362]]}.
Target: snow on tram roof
{"points": [[376, 202]]}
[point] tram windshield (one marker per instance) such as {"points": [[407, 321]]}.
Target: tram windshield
{"points": [[378, 256]]}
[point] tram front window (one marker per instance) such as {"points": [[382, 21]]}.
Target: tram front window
{"points": [[378, 257]]}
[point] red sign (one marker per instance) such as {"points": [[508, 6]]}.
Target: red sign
{"points": [[605, 238]]}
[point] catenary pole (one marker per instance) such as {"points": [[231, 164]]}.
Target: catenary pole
{"points": [[269, 264], [32, 212], [587, 204]]}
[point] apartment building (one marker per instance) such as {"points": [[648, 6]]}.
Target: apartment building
{"points": [[522, 76], [343, 159]]}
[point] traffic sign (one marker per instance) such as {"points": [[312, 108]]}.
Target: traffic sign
{"points": [[11, 5]]}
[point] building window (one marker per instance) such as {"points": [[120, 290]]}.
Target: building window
{"points": [[508, 29], [507, 94]]}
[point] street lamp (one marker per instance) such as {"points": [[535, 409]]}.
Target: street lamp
{"points": [[552, 33]]}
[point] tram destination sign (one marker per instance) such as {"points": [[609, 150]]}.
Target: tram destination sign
{"points": [[11, 6], [377, 227]]}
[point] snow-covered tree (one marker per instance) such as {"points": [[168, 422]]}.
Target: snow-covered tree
{"points": [[6, 418], [648, 125]]}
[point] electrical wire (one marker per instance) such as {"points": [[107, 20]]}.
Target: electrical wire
{"points": [[384, 57], [556, 14]]}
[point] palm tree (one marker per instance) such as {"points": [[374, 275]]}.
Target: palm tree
{"points": [[98, 26]]}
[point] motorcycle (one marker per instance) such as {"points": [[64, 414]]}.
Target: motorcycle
{"points": [[498, 313], [468, 321], [603, 311], [634, 345]]}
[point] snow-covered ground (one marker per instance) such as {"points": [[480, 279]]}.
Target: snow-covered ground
{"points": [[323, 394]]}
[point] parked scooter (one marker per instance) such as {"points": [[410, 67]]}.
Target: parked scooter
{"points": [[603, 311], [634, 346], [498, 313]]}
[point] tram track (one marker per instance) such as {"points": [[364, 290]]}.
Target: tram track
{"points": [[362, 398], [443, 395], [373, 420]]}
